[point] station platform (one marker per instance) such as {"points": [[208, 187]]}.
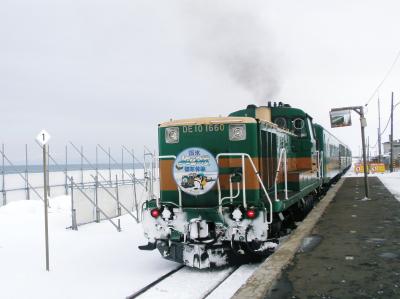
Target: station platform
{"points": [[353, 250]]}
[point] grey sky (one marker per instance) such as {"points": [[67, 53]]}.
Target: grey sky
{"points": [[109, 71]]}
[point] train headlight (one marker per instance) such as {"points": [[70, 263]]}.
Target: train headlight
{"points": [[237, 132], [172, 135]]}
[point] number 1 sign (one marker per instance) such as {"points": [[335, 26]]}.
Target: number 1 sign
{"points": [[43, 137]]}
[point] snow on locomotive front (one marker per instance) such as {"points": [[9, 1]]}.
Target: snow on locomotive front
{"points": [[213, 205]]}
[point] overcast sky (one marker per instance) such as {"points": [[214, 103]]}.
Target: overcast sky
{"points": [[102, 71]]}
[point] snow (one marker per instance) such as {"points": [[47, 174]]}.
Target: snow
{"points": [[187, 283], [234, 282], [94, 262], [392, 183]]}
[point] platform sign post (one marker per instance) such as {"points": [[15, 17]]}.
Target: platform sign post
{"points": [[43, 138], [340, 117]]}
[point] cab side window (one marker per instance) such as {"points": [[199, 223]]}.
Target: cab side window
{"points": [[299, 127]]}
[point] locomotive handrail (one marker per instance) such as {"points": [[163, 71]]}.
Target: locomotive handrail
{"points": [[146, 170], [231, 197], [282, 152], [179, 189], [243, 156]]}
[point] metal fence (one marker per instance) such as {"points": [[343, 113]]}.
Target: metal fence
{"points": [[98, 190]]}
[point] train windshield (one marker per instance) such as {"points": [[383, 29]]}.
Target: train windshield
{"points": [[299, 127]]}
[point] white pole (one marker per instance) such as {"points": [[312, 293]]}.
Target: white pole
{"points": [[46, 222]]}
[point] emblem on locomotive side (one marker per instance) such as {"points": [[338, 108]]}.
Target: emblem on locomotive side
{"points": [[195, 171]]}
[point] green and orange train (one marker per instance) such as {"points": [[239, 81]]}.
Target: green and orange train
{"points": [[230, 186]]}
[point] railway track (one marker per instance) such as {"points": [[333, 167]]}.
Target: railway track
{"points": [[183, 281], [152, 284], [209, 292]]}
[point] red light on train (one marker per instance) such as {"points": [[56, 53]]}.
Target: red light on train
{"points": [[155, 213], [251, 214]]}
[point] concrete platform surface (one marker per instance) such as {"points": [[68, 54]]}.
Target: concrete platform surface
{"points": [[353, 251]]}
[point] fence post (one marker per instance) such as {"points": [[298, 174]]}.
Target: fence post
{"points": [[74, 224], [122, 163], [97, 161], [134, 186], [66, 170], [47, 172], [117, 195], [109, 166], [81, 165], [96, 199], [26, 173], [3, 178]]}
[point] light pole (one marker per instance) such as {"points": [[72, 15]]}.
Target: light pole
{"points": [[391, 135], [363, 122]]}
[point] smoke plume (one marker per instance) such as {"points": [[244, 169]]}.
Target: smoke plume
{"points": [[234, 40]]}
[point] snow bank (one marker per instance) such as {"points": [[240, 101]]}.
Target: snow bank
{"points": [[391, 182]]}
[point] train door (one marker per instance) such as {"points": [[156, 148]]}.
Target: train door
{"points": [[268, 157], [314, 150]]}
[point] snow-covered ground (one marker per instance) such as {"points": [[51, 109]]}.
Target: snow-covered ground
{"points": [[390, 180], [94, 262]]}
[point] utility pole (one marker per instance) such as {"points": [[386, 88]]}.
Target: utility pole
{"points": [[391, 135], [363, 122], [368, 152], [379, 132]]}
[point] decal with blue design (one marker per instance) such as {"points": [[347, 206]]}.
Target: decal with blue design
{"points": [[195, 171]]}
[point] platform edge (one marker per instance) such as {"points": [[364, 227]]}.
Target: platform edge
{"points": [[263, 279]]}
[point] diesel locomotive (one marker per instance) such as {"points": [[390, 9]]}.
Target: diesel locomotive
{"points": [[231, 186]]}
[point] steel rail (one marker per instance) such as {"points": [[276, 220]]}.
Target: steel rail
{"points": [[155, 282], [209, 292]]}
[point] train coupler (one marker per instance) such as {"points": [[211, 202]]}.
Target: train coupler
{"points": [[150, 246]]}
